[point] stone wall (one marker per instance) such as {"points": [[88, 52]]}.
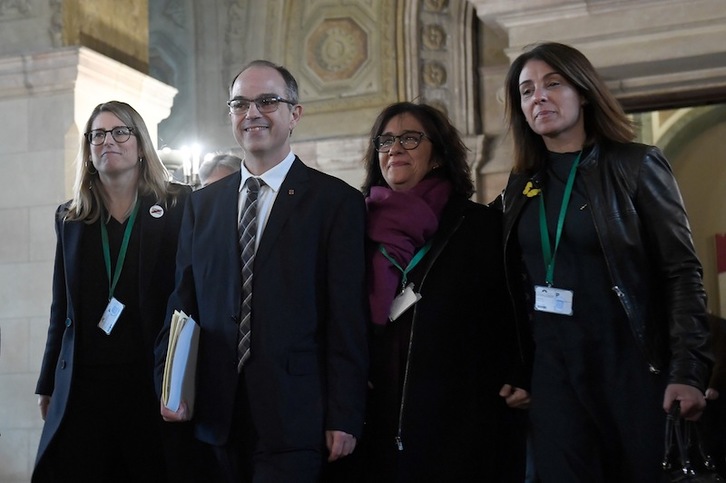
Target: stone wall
{"points": [[45, 100]]}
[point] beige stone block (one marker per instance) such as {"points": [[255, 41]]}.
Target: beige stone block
{"points": [[14, 346], [493, 95], [307, 152], [14, 235], [49, 119], [18, 402], [42, 233], [341, 154], [15, 135], [37, 179], [354, 178], [38, 329], [341, 158], [17, 454], [24, 24], [27, 288]]}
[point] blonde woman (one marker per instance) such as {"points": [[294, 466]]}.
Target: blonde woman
{"points": [[114, 270]]}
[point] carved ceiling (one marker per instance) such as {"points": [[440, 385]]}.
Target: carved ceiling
{"points": [[654, 53], [342, 55]]}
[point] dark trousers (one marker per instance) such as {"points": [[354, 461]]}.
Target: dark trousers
{"points": [[240, 460]]}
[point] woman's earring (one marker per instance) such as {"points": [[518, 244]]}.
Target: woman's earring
{"points": [[141, 160]]}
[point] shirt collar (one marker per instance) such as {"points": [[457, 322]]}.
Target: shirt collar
{"points": [[274, 176]]}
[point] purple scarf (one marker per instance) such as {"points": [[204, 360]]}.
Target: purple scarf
{"points": [[401, 221]]}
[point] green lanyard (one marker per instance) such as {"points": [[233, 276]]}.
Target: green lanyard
{"points": [[121, 253], [547, 253], [414, 261]]}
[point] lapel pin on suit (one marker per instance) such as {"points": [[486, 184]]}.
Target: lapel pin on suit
{"points": [[156, 211], [291, 192]]}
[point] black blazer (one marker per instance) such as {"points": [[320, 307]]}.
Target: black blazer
{"points": [[308, 366], [157, 248]]}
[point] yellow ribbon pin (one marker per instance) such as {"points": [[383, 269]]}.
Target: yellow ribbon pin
{"points": [[530, 191]]}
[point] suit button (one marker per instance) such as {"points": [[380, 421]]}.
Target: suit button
{"points": [[68, 322], [63, 364]]}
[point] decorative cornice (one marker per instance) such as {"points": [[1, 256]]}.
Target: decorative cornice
{"points": [[93, 76]]}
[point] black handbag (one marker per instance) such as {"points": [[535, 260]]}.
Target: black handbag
{"points": [[685, 458]]}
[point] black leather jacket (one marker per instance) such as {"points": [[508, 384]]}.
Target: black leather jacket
{"points": [[646, 240]]}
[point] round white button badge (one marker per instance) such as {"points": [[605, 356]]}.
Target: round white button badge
{"points": [[156, 211]]}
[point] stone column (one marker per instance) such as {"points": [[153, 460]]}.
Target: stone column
{"points": [[45, 100]]}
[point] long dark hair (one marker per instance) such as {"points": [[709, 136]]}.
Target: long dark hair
{"points": [[449, 151], [605, 119]]}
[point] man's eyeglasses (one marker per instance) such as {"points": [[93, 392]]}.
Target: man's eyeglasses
{"points": [[120, 134], [409, 140], [264, 104]]}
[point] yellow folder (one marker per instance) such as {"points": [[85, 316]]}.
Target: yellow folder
{"points": [[181, 363]]}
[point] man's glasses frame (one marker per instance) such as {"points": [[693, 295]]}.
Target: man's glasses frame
{"points": [[265, 104]]}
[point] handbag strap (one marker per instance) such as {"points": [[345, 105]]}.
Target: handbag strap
{"points": [[677, 437], [697, 436], [669, 443], [683, 437]]}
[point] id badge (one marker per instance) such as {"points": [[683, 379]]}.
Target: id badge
{"points": [[110, 315], [403, 302], [553, 300]]}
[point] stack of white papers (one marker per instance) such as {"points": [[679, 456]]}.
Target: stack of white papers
{"points": [[181, 363]]}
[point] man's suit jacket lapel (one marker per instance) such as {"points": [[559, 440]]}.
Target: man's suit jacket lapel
{"points": [[218, 215], [226, 213], [292, 190]]}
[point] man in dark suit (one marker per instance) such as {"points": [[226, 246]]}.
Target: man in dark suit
{"points": [[299, 397]]}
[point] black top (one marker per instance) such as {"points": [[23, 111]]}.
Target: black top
{"points": [[124, 344], [579, 255], [579, 263]]}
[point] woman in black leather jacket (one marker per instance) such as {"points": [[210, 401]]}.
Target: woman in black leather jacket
{"points": [[601, 260]]}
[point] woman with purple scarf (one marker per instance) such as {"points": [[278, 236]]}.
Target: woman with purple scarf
{"points": [[442, 343]]}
